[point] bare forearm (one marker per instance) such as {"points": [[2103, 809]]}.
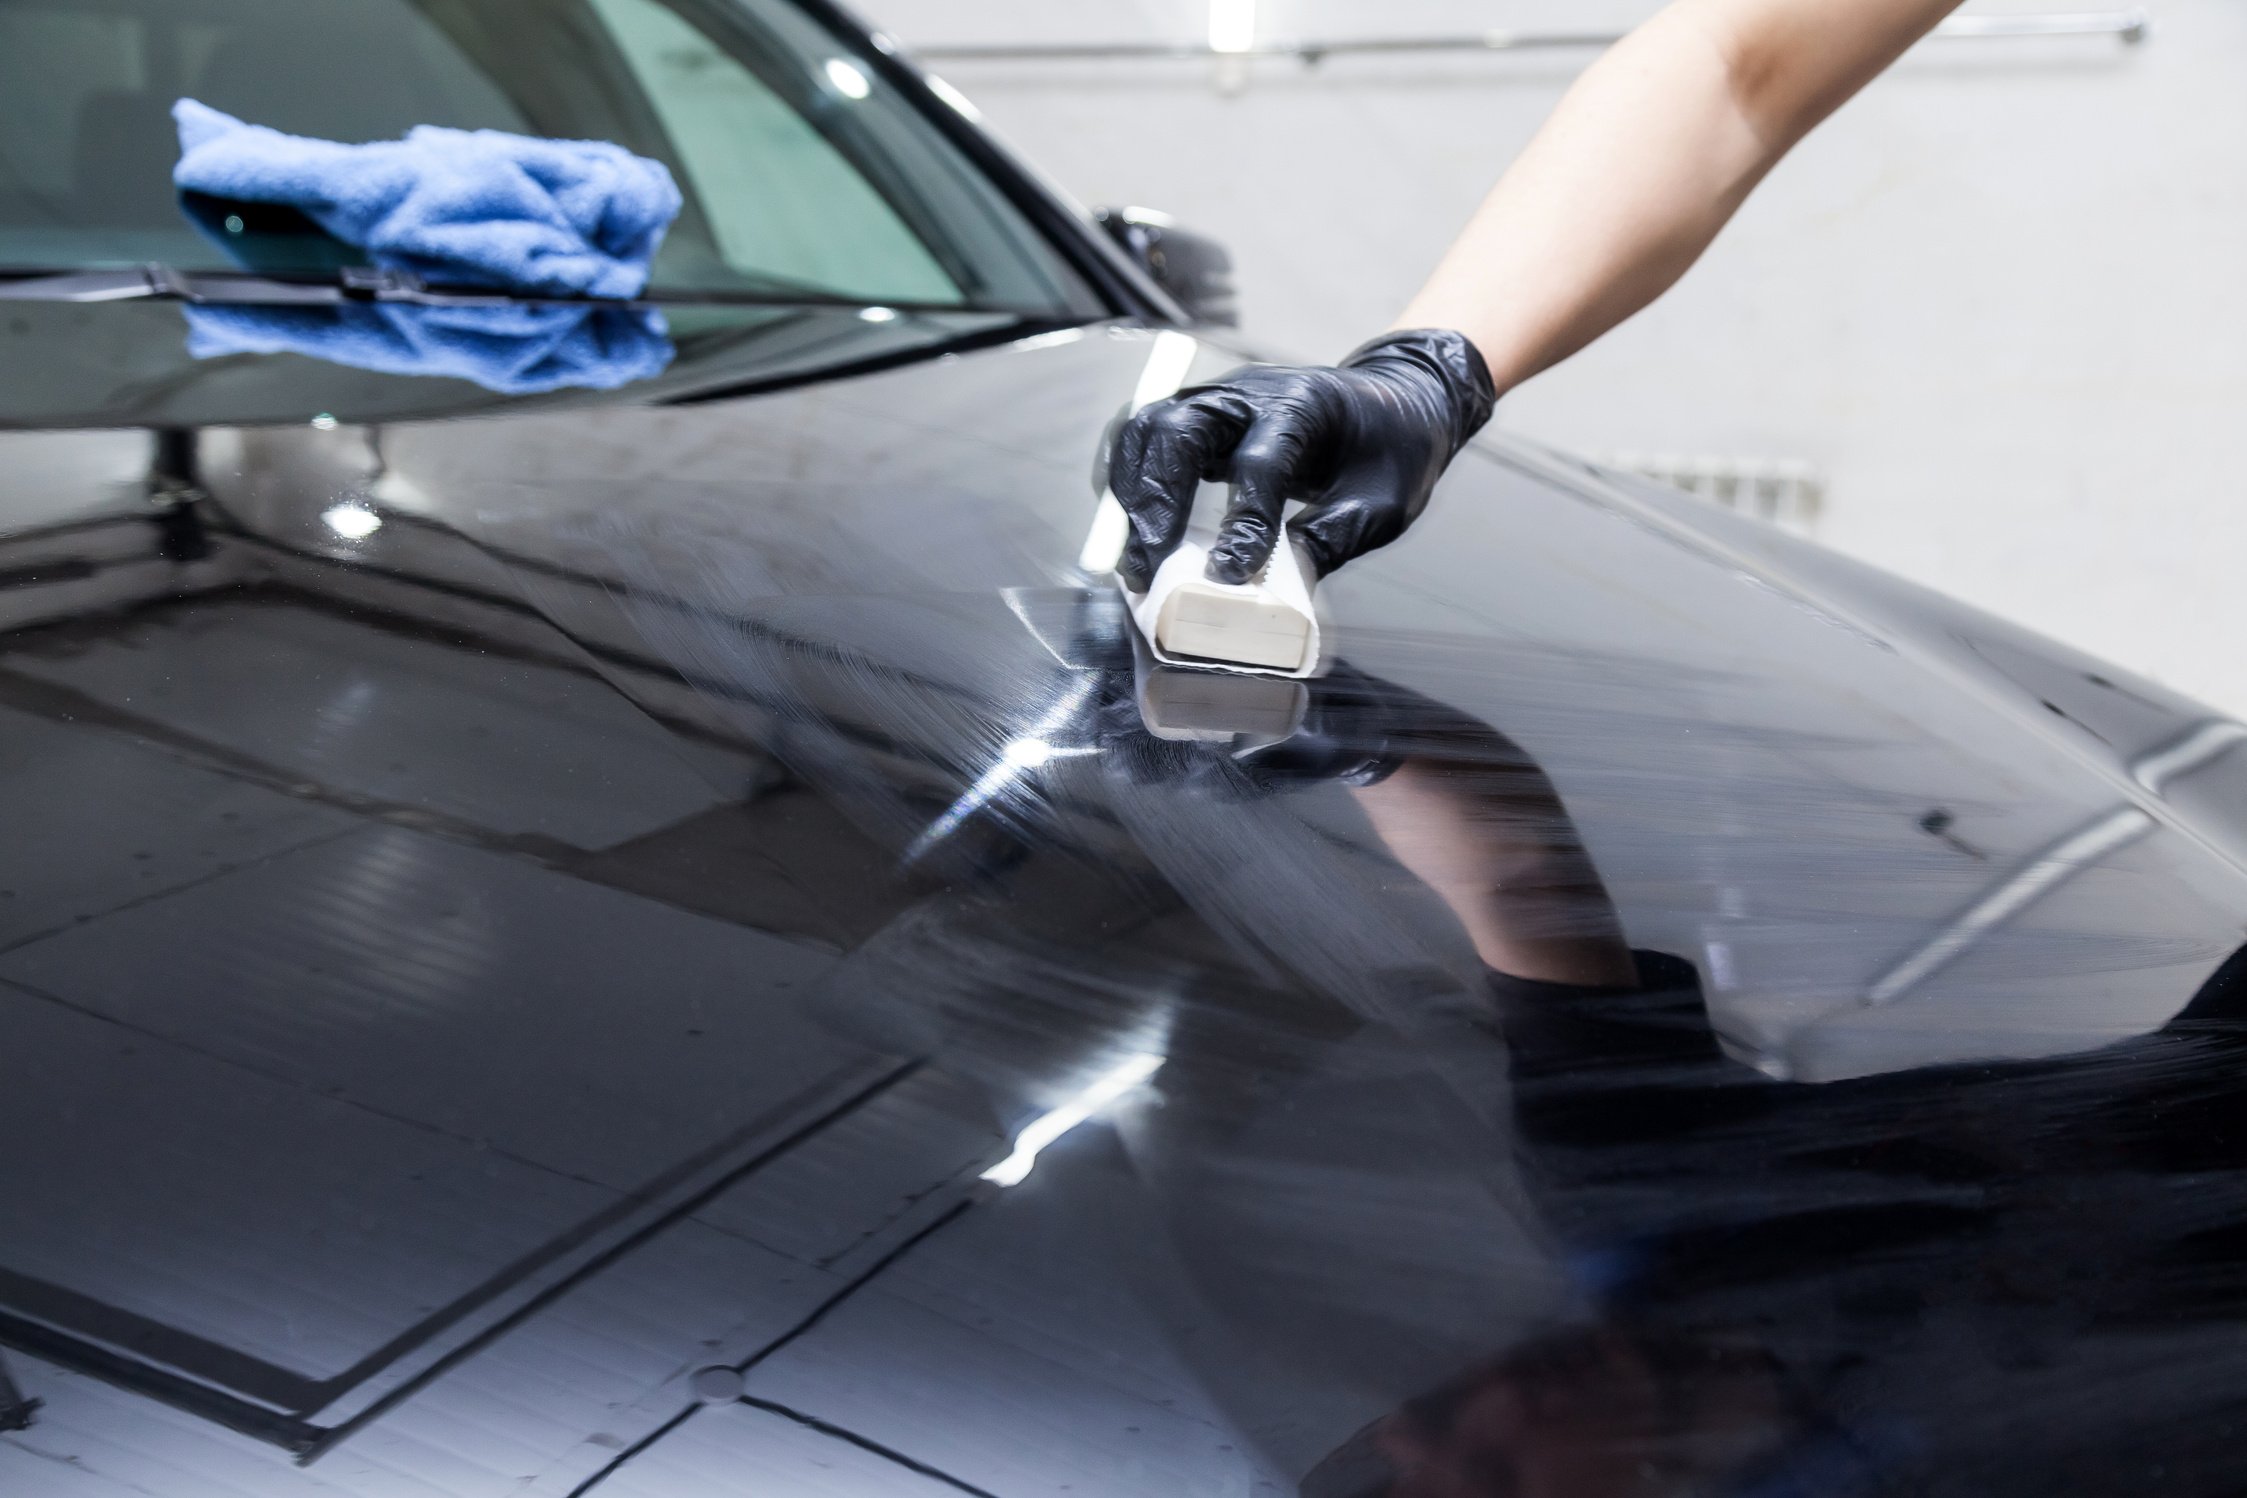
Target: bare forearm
{"points": [[1645, 160], [1495, 844]]}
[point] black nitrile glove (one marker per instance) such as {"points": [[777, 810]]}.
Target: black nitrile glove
{"points": [[1362, 444]]}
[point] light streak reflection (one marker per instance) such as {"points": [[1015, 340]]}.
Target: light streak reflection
{"points": [[1043, 1130]]}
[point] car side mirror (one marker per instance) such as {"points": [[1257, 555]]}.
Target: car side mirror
{"points": [[1195, 270]]}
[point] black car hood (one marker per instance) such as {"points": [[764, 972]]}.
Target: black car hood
{"points": [[681, 960]]}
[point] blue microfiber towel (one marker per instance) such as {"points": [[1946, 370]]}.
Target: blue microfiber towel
{"points": [[473, 207], [523, 349]]}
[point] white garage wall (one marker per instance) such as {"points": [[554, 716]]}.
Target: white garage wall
{"points": [[2000, 302]]}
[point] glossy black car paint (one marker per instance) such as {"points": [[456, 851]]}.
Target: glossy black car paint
{"points": [[470, 978], [542, 996]]}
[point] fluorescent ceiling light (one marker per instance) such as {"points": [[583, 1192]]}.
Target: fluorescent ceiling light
{"points": [[848, 80], [1045, 1129], [1232, 25]]}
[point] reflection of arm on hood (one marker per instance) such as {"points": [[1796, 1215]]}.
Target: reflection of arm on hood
{"points": [[1486, 831], [1450, 799], [1602, 1411]]}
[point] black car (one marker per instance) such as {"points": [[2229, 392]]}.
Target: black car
{"points": [[601, 900]]}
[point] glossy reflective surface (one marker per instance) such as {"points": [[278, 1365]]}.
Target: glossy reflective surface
{"points": [[672, 946]]}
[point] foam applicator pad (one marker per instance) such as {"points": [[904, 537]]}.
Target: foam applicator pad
{"points": [[1264, 625]]}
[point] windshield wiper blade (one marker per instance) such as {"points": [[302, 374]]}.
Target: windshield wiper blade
{"points": [[358, 283], [74, 286], [168, 283]]}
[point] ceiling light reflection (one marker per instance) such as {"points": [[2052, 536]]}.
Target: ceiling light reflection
{"points": [[1025, 753], [961, 103], [1045, 1129], [353, 522], [848, 80], [1169, 359], [1028, 753]]}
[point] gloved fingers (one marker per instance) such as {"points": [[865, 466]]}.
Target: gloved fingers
{"points": [[1267, 467], [1159, 459], [1346, 528]]}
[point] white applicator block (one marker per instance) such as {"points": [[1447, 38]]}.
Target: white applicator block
{"points": [[1197, 619], [1220, 706], [1265, 624]]}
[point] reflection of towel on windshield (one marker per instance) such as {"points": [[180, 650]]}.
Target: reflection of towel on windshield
{"points": [[521, 349], [477, 207]]}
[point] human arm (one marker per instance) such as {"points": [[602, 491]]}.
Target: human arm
{"points": [[1467, 812], [1645, 160], [1647, 157], [1490, 837]]}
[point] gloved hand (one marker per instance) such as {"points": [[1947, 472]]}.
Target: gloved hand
{"points": [[1362, 444]]}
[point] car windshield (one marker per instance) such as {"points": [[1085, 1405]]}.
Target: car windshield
{"points": [[803, 170]]}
